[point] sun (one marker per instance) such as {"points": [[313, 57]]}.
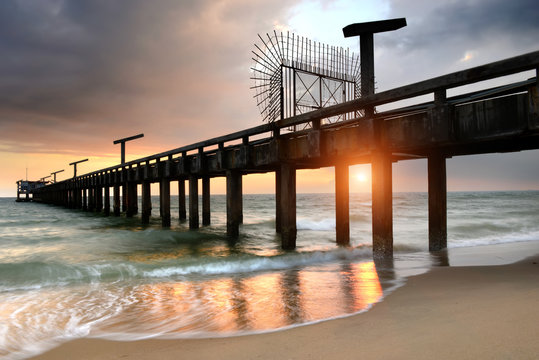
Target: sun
{"points": [[361, 177]]}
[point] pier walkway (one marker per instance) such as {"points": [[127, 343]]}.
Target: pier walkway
{"points": [[500, 119]]}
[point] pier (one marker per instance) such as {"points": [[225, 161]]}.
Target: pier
{"points": [[499, 119]]}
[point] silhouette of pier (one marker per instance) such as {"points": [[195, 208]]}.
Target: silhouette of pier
{"points": [[500, 119]]}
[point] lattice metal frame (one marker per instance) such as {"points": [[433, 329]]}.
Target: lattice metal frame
{"points": [[293, 75]]}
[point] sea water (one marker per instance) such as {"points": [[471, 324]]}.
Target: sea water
{"points": [[66, 274]]}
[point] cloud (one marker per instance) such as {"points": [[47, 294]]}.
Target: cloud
{"points": [[442, 33], [102, 69]]}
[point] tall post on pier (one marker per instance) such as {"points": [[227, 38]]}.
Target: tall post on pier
{"points": [[381, 162], [125, 186], [74, 164], [233, 202], [54, 174], [193, 202]]}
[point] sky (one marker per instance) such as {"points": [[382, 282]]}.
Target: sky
{"points": [[76, 75]]}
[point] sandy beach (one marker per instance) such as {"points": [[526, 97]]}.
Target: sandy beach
{"points": [[479, 312]]}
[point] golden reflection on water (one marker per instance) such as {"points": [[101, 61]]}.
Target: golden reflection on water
{"points": [[263, 301]]}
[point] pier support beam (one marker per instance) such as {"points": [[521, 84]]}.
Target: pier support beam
{"points": [[146, 203], [181, 200], [342, 204], [164, 201], [234, 202], [132, 199], [98, 198], [193, 202], [287, 206], [91, 199], [116, 200], [206, 212], [382, 204], [107, 200], [278, 201], [437, 202], [84, 200], [124, 197]]}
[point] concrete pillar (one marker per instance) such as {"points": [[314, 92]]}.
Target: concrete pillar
{"points": [[124, 197], [233, 202], [206, 212], [84, 200], [181, 200], [287, 205], [193, 202], [116, 200], [278, 201], [91, 198], [382, 204], [107, 200], [437, 202], [132, 199], [98, 198], [342, 206], [146, 202], [164, 201]]}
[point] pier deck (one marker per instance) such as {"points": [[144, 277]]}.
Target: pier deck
{"points": [[500, 119]]}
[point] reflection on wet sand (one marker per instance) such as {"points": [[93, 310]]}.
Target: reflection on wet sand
{"points": [[263, 301]]}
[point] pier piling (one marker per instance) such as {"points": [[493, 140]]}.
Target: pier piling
{"points": [[437, 187], [206, 213], [234, 201], [181, 200], [193, 202], [146, 202], [164, 199], [287, 206], [342, 206]]}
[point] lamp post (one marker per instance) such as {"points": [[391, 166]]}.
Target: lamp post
{"points": [[122, 142], [56, 172], [75, 166]]}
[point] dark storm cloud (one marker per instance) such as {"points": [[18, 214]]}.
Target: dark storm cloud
{"points": [[102, 66], [445, 36]]}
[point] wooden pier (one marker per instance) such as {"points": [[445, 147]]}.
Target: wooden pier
{"points": [[500, 119]]}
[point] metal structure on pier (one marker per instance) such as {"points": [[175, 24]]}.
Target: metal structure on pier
{"points": [[293, 75]]}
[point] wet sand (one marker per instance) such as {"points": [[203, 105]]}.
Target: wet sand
{"points": [[469, 312]]}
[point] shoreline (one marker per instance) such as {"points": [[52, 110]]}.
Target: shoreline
{"points": [[449, 312]]}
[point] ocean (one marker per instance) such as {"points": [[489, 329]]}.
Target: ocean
{"points": [[67, 274]]}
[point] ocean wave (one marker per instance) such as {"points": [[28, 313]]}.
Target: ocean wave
{"points": [[36, 275], [316, 225], [494, 240]]}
